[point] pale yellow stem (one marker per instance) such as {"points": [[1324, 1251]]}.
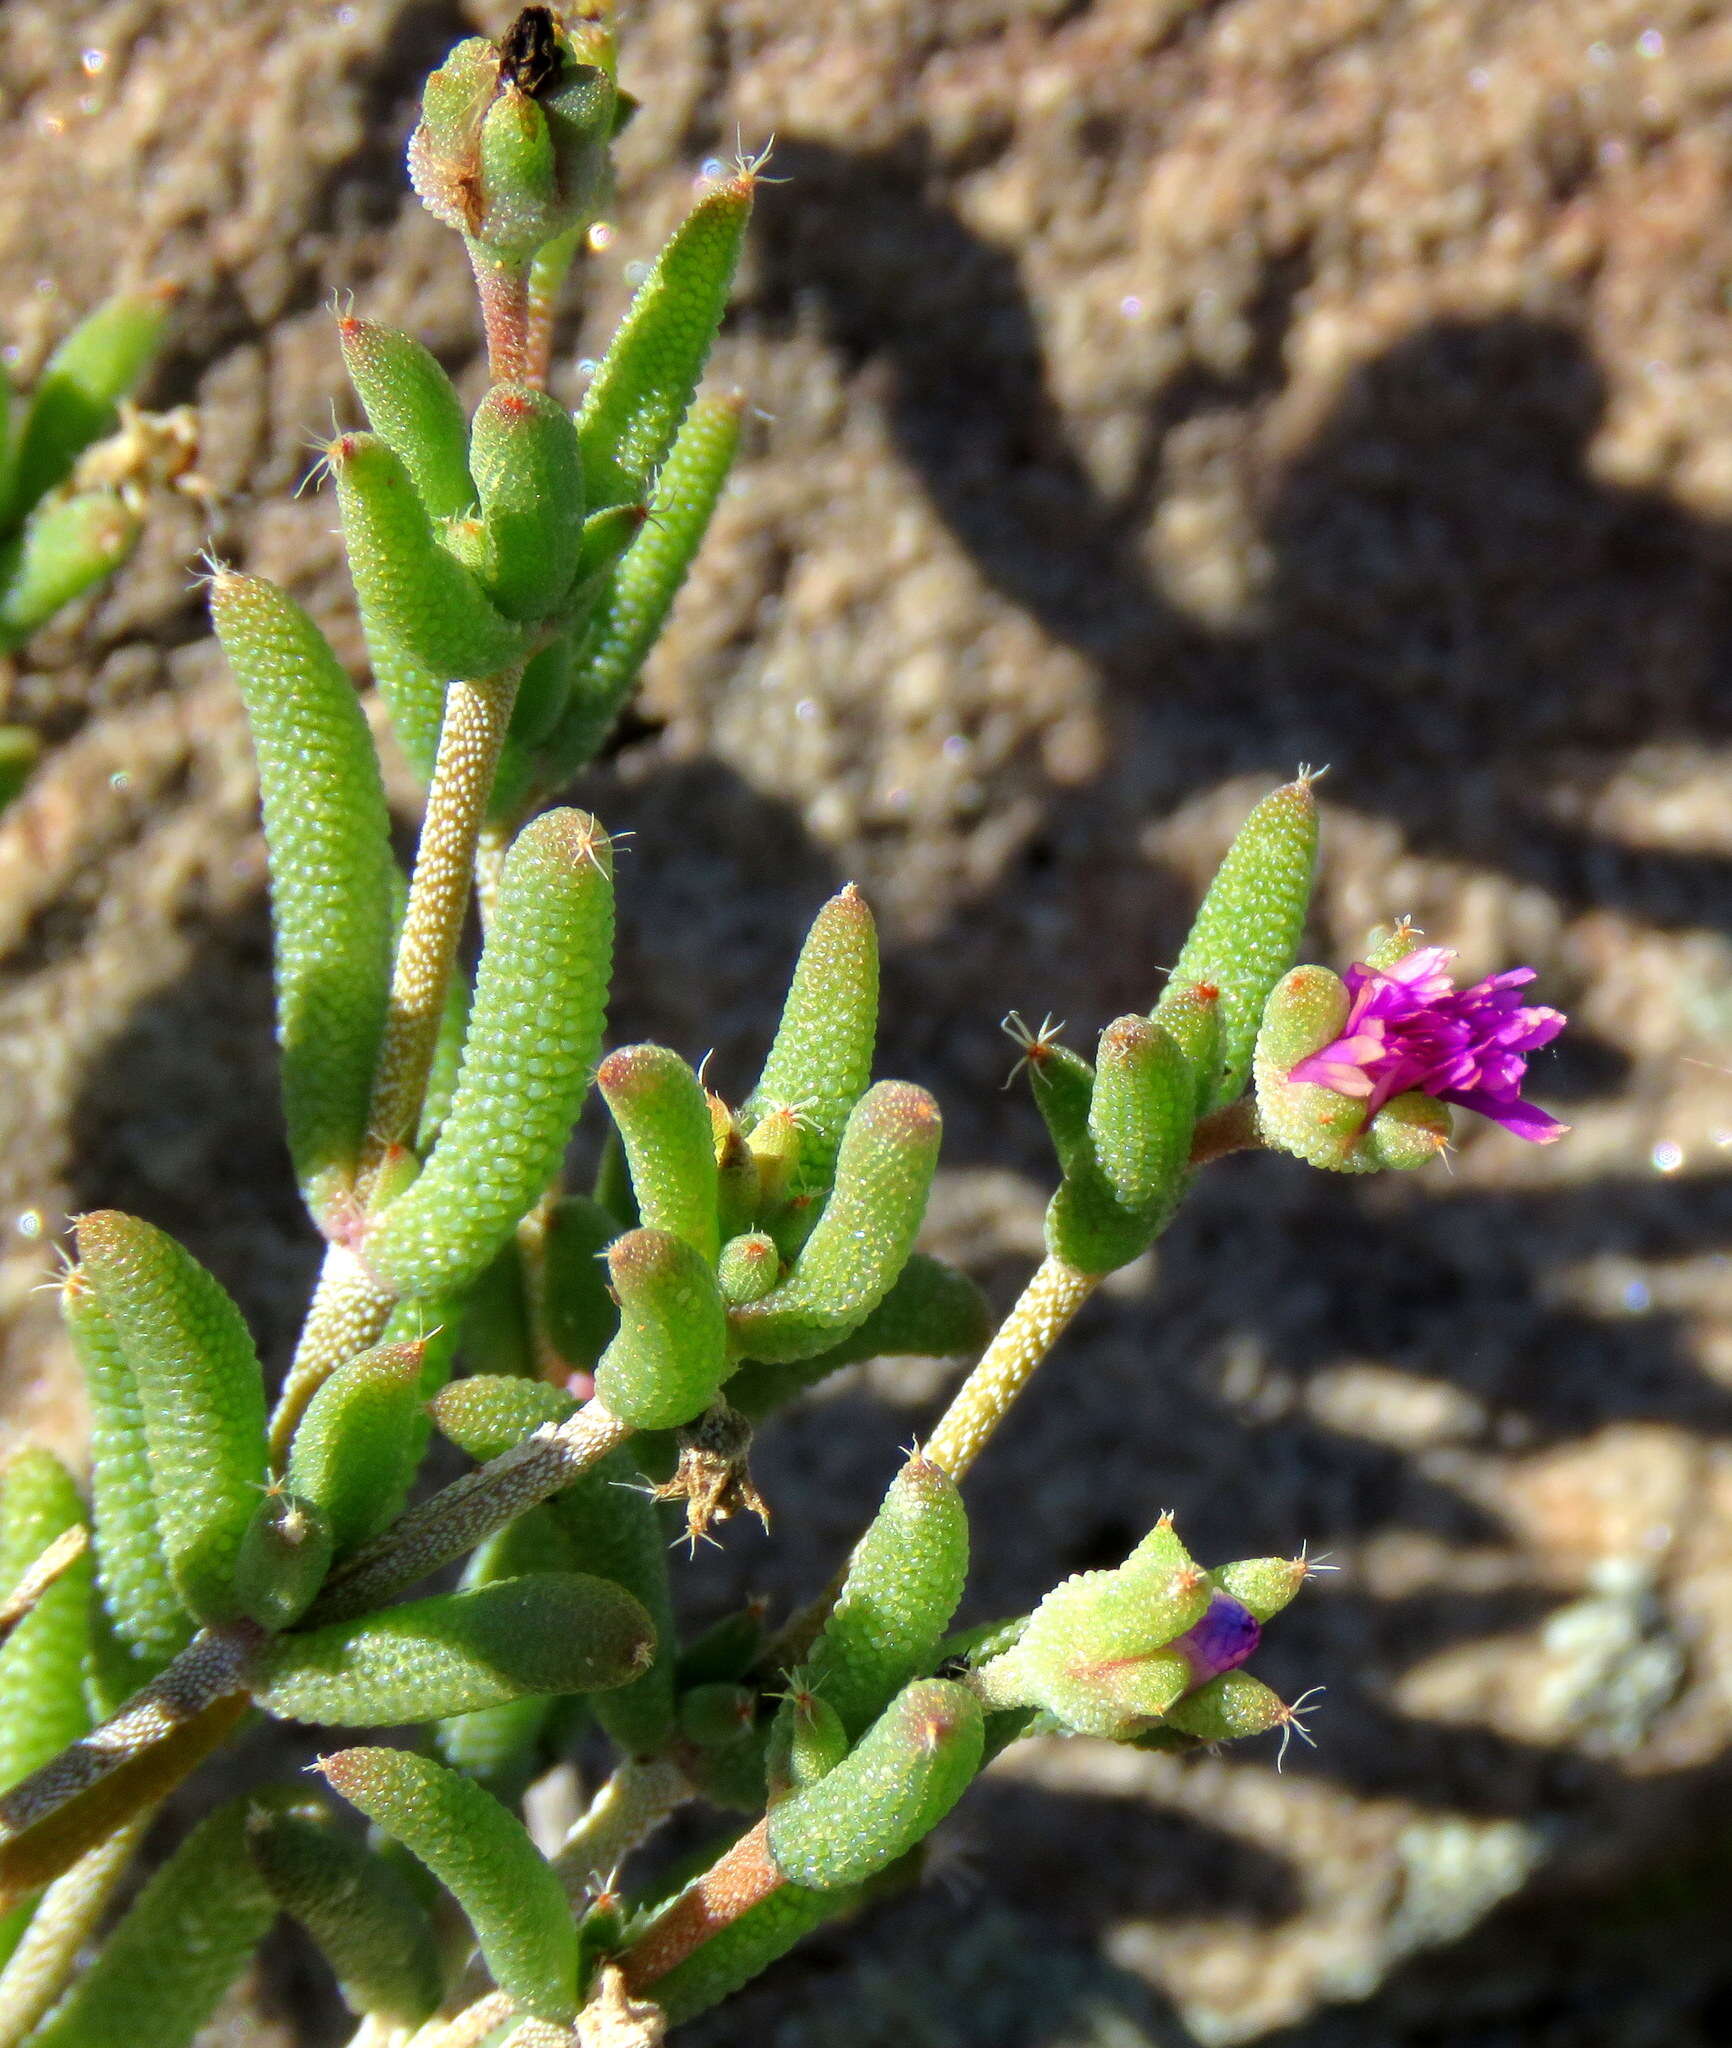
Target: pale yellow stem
{"points": [[623, 1814], [473, 2024], [347, 1315], [64, 1552], [47, 1954], [473, 731], [1049, 1301]]}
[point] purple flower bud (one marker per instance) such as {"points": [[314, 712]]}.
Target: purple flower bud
{"points": [[1411, 1027], [1221, 1641]]}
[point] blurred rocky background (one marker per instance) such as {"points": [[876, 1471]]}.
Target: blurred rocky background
{"points": [[1153, 394]]}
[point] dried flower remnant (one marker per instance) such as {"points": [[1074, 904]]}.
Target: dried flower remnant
{"points": [[1411, 1027]]}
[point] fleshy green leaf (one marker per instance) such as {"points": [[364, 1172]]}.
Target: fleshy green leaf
{"points": [[904, 1583], [671, 1352], [1246, 935], [66, 545], [332, 871], [159, 1976], [100, 362], [414, 409], [523, 449], [904, 1776], [42, 1661], [639, 395], [534, 1034], [372, 1930], [201, 1391], [659, 1108], [355, 1451], [515, 1902], [863, 1239], [546, 1632]]}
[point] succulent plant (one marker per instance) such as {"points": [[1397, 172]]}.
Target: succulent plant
{"points": [[604, 1358]]}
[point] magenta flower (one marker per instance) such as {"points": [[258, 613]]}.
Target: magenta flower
{"points": [[1411, 1027]]}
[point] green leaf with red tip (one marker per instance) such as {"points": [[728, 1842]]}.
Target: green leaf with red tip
{"points": [[201, 1391], [414, 593], [863, 1239], [890, 1791], [663, 1119], [414, 409], [1228, 1707], [523, 451], [639, 395], [514, 1901], [1246, 934], [332, 872], [534, 1034], [670, 1355], [545, 1632], [748, 1267], [487, 1413]]}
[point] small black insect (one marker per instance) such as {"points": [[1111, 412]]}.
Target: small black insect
{"points": [[529, 55], [953, 1667]]}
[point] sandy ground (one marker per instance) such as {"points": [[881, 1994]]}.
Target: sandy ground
{"points": [[1151, 396]]}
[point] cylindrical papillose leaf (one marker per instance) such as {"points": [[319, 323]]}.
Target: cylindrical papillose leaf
{"points": [[1248, 929], [515, 1902], [738, 1952], [546, 1632], [499, 1746], [615, 1532], [642, 590], [541, 701], [328, 832], [862, 1241], [890, 1791], [489, 1412], [1305, 1011], [283, 1559], [671, 1353], [414, 409], [139, 1599], [1262, 1585], [807, 1740], [1141, 1114], [372, 1930], [65, 547], [355, 1450], [749, 1266], [1191, 1017], [534, 1033], [1409, 1131], [1063, 1084], [42, 1662], [639, 395], [578, 1314], [904, 1583], [524, 452], [663, 1118], [1230, 1706], [414, 696], [821, 1061], [416, 595], [159, 1976], [202, 1393], [99, 363]]}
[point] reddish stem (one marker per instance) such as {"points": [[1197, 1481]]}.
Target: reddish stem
{"points": [[1233, 1129], [731, 1886], [503, 287]]}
